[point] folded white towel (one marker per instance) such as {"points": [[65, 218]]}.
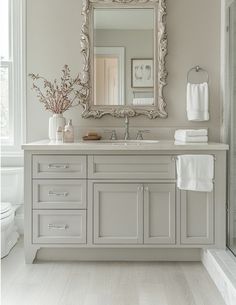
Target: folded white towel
{"points": [[190, 139], [195, 172], [198, 102], [191, 132], [149, 101]]}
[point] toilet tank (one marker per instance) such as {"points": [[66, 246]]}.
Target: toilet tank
{"points": [[12, 185]]}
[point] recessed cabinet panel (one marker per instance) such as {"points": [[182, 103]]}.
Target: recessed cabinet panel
{"points": [[58, 167], [128, 167], [159, 214], [56, 227], [118, 213], [197, 214], [59, 194]]}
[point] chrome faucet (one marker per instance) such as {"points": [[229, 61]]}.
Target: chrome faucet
{"points": [[126, 136], [140, 134]]}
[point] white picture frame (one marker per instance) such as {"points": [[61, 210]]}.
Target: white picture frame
{"points": [[142, 73]]}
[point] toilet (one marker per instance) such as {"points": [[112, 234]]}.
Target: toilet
{"points": [[11, 207], [9, 234]]}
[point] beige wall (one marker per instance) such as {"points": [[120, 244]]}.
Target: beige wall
{"points": [[53, 34]]}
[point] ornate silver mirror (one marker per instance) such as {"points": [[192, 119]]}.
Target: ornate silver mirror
{"points": [[124, 45]]}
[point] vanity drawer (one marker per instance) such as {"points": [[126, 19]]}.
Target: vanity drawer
{"points": [[131, 167], [59, 194], [56, 227], [47, 166]]}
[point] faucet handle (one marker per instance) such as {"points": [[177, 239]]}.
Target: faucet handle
{"points": [[112, 133], [140, 134]]}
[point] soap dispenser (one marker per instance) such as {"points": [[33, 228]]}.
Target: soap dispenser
{"points": [[69, 132]]}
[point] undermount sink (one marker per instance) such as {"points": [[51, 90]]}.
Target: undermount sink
{"points": [[127, 142]]}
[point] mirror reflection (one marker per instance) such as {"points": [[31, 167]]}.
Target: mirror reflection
{"points": [[123, 56]]}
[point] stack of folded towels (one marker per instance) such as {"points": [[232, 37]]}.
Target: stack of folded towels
{"points": [[191, 136]]}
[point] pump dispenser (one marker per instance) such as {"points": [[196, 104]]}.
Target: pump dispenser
{"points": [[69, 132]]}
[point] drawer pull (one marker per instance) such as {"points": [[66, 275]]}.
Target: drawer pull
{"points": [[62, 194], [60, 166], [146, 189], [57, 227]]}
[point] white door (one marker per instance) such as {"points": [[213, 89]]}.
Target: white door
{"points": [[118, 213], [109, 76], [106, 81], [159, 213]]}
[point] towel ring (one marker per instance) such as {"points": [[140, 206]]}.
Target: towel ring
{"points": [[198, 69]]}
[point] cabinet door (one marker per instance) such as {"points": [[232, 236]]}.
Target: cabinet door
{"points": [[159, 214], [197, 213], [118, 213]]}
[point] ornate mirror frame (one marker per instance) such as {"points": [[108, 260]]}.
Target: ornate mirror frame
{"points": [[160, 52]]}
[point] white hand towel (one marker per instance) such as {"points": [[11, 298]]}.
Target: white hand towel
{"points": [[190, 139], [198, 102], [191, 132], [195, 172]]}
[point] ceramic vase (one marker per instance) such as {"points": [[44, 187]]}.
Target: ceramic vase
{"points": [[55, 121]]}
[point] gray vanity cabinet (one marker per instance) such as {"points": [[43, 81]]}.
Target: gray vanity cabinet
{"points": [[197, 217], [159, 213], [120, 203], [118, 213]]}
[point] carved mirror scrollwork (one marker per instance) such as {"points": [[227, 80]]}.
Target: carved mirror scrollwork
{"points": [[124, 46]]}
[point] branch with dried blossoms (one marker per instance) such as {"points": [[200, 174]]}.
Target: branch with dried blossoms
{"points": [[59, 97]]}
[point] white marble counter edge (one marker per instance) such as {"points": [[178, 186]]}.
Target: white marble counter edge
{"points": [[88, 146]]}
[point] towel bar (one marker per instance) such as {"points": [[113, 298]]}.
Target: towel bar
{"points": [[174, 158]]}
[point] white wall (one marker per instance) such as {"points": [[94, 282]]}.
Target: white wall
{"points": [[53, 39]]}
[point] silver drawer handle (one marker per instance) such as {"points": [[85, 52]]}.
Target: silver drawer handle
{"points": [[60, 166], [63, 194], [57, 227], [146, 189]]}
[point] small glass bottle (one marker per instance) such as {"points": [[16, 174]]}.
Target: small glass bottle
{"points": [[69, 132]]}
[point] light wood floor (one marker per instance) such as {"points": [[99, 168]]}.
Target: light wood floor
{"points": [[91, 283]]}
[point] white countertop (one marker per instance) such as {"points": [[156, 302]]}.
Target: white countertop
{"points": [[101, 146]]}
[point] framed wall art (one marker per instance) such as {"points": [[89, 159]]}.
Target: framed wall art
{"points": [[142, 73]]}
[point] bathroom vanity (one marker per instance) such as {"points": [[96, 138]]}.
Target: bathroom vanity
{"points": [[116, 200]]}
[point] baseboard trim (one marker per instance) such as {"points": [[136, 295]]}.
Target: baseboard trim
{"points": [[221, 266], [68, 254]]}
